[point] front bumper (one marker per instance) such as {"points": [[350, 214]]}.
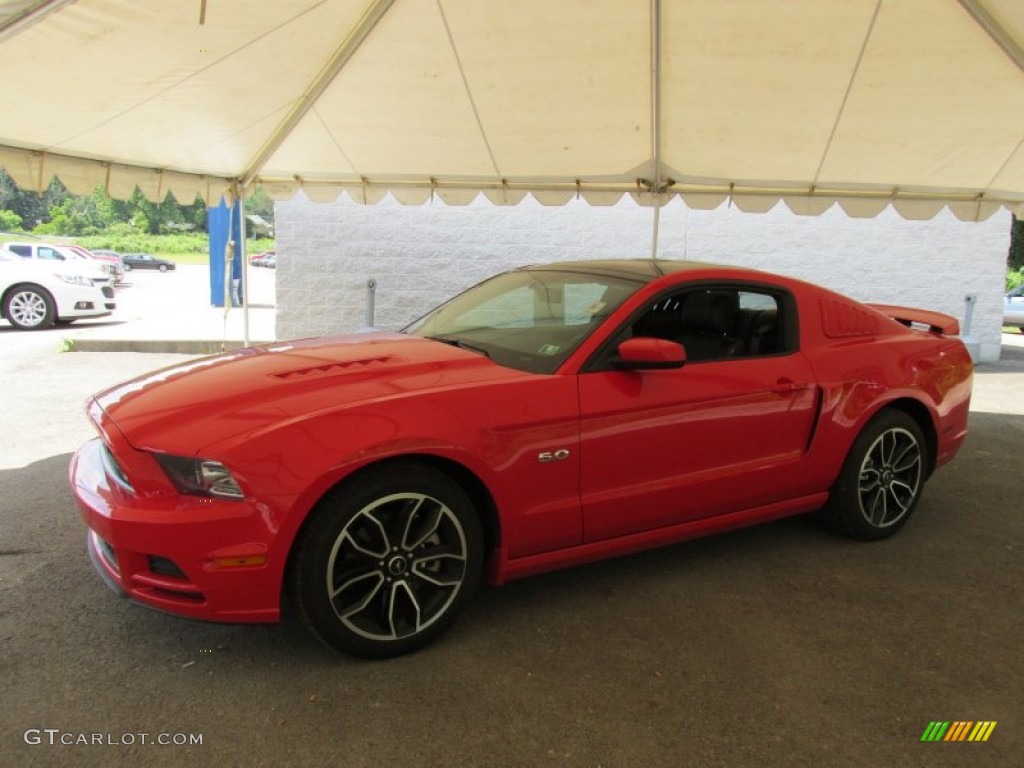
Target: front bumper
{"points": [[80, 301], [191, 556]]}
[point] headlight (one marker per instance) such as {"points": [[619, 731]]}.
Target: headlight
{"points": [[199, 477], [75, 279]]}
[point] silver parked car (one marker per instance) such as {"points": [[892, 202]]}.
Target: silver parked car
{"points": [[1013, 308]]}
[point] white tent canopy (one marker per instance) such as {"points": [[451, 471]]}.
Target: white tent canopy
{"points": [[914, 103]]}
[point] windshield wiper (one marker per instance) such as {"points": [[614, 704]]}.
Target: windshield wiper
{"points": [[453, 342]]}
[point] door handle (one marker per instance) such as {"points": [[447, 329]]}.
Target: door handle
{"points": [[786, 384]]}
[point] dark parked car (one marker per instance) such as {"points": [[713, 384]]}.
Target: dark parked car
{"points": [[145, 261]]}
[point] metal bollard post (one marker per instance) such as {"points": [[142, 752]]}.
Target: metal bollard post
{"points": [[969, 301], [973, 347], [371, 296]]}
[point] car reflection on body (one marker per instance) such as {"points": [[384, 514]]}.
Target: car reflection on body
{"points": [[548, 417]]}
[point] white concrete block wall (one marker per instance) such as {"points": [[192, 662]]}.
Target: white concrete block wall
{"points": [[421, 255]]}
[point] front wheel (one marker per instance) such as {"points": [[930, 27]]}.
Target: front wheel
{"points": [[29, 308], [386, 562], [882, 479], [162, 267]]}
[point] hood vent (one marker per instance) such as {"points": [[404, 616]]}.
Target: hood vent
{"points": [[343, 365]]}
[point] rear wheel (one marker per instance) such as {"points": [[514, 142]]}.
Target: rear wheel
{"points": [[882, 479], [387, 562], [29, 307]]}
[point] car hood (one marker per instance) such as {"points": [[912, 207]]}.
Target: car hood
{"points": [[186, 407]]}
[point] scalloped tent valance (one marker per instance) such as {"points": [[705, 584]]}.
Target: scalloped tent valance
{"points": [[918, 104]]}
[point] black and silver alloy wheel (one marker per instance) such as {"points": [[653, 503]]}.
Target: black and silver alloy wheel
{"points": [[397, 566], [386, 563], [882, 479], [890, 477]]}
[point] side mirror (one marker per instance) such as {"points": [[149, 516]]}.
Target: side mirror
{"points": [[645, 353]]}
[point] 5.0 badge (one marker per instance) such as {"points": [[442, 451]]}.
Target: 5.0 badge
{"points": [[548, 456]]}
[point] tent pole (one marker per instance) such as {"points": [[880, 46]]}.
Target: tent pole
{"points": [[657, 225], [656, 119], [31, 14], [244, 264], [341, 57]]}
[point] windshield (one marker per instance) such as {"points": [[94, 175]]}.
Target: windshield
{"points": [[531, 320]]}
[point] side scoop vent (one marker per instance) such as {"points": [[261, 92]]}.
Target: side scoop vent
{"points": [[329, 368], [841, 320]]}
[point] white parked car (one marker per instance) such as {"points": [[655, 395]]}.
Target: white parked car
{"points": [[1013, 308], [100, 271], [36, 294]]}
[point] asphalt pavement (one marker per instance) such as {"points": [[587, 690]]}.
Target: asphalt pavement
{"points": [[780, 645]]}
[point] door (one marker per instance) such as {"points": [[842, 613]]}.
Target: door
{"points": [[725, 432]]}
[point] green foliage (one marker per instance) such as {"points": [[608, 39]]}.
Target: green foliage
{"points": [[192, 248], [260, 244], [124, 238], [79, 215], [1014, 278], [259, 204], [124, 224], [137, 225], [57, 212], [1015, 259], [33, 208], [9, 221]]}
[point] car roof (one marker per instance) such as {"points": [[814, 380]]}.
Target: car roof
{"points": [[640, 269]]}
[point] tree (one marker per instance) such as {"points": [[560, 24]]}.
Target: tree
{"points": [[32, 207], [260, 204], [9, 221], [1015, 259], [58, 212], [76, 216]]}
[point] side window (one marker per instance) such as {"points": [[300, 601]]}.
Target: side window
{"points": [[22, 250], [50, 254], [721, 322]]}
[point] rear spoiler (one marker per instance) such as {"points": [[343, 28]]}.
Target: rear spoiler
{"points": [[924, 319]]}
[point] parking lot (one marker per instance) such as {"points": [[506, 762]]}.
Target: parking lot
{"points": [[778, 645]]}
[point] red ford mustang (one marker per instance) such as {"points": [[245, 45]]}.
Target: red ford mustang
{"points": [[550, 416]]}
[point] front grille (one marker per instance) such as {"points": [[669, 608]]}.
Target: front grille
{"points": [[161, 566]]}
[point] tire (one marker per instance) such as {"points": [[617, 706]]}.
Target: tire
{"points": [[29, 307], [882, 479], [386, 563], [128, 267], [163, 267]]}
